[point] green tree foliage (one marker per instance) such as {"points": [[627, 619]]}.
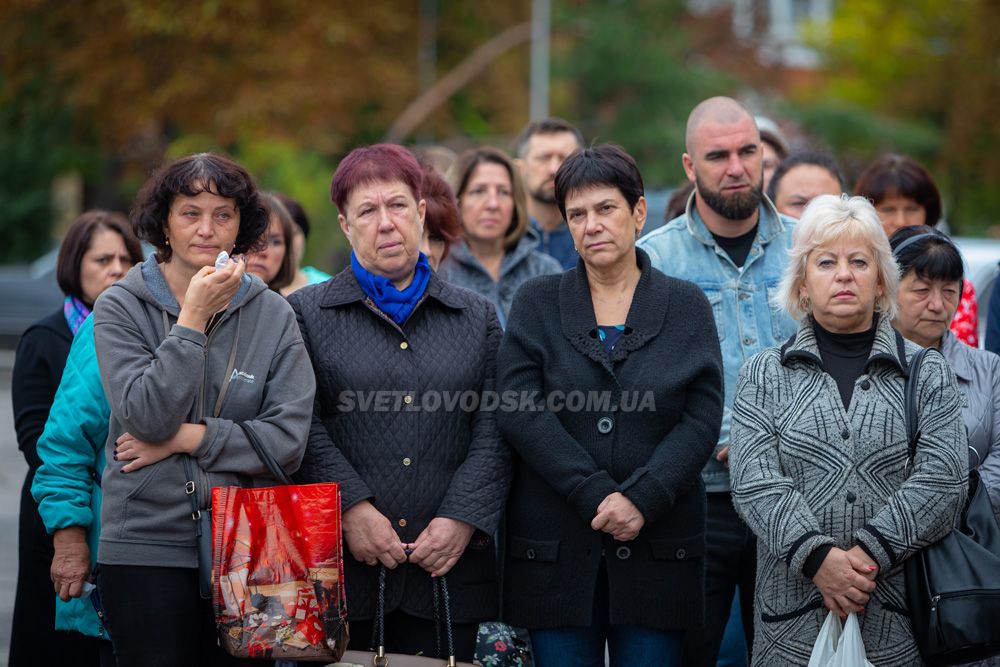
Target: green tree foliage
{"points": [[142, 76], [936, 61], [625, 73], [35, 146]]}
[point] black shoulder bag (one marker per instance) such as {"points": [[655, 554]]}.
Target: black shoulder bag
{"points": [[953, 585]]}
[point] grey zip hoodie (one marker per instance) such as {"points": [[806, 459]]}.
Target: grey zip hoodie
{"points": [[157, 375]]}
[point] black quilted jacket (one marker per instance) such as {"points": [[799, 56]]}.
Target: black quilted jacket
{"points": [[382, 429]]}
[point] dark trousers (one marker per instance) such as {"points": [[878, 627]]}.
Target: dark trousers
{"points": [[33, 637], [410, 635], [156, 618], [730, 561]]}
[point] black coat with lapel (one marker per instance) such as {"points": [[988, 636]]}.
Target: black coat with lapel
{"points": [[647, 423]]}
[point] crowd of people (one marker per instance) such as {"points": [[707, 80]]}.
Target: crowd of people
{"points": [[697, 448]]}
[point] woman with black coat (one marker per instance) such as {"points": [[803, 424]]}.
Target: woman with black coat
{"points": [[99, 248], [622, 370], [402, 359]]}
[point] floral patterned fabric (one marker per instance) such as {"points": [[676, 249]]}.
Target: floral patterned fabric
{"points": [[500, 645], [965, 326]]}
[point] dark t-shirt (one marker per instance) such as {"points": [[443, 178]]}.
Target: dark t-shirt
{"points": [[737, 247], [844, 356]]}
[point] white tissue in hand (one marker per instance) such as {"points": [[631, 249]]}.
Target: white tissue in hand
{"points": [[221, 260]]}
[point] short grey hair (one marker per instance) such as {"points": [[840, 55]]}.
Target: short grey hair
{"points": [[827, 219]]}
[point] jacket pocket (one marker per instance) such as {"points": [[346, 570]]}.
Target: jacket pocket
{"points": [[157, 509], [542, 551], [782, 326], [682, 548], [714, 296], [812, 605]]}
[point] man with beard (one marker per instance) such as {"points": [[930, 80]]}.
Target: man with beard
{"points": [[732, 243], [542, 147]]}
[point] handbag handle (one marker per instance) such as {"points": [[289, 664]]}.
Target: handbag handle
{"points": [[277, 472], [381, 660], [910, 413]]}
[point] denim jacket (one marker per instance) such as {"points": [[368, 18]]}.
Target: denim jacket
{"points": [[745, 317]]}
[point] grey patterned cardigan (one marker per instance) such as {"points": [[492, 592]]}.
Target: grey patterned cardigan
{"points": [[807, 473]]}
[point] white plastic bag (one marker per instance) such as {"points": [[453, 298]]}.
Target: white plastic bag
{"points": [[838, 646]]}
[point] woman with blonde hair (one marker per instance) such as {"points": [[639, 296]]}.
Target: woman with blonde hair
{"points": [[498, 251], [819, 451]]}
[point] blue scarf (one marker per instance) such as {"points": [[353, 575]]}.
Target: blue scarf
{"points": [[398, 305], [75, 311]]}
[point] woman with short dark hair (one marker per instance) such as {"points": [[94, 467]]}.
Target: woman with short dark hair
{"points": [[606, 518], [498, 252], [303, 275], [274, 262], [905, 195], [97, 251], [422, 484], [192, 351], [930, 285]]}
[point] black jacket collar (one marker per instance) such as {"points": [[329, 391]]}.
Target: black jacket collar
{"points": [[644, 320]]}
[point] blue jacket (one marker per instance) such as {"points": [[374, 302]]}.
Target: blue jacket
{"points": [[557, 243], [993, 321], [746, 319], [71, 448]]}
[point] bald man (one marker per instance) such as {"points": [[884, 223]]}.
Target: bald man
{"points": [[732, 243]]}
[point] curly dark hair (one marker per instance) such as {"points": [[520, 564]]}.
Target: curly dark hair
{"points": [[190, 176]]}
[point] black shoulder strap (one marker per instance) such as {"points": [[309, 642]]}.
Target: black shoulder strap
{"points": [[910, 412], [265, 456]]}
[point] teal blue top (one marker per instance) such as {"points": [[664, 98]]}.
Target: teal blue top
{"points": [[67, 486], [315, 275]]}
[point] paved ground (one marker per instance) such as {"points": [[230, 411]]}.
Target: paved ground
{"points": [[11, 478]]}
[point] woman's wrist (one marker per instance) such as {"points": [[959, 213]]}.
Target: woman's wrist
{"points": [[70, 535], [192, 320], [188, 438]]}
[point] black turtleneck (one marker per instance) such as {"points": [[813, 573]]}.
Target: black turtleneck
{"points": [[844, 356]]}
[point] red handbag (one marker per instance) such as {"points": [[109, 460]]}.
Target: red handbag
{"points": [[277, 568]]}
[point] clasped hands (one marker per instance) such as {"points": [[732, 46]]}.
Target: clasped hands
{"points": [[372, 540], [846, 580], [619, 517]]}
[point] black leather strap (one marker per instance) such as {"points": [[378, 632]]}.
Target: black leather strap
{"points": [[277, 472], [910, 412]]}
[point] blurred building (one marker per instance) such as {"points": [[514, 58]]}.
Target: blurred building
{"points": [[773, 30]]}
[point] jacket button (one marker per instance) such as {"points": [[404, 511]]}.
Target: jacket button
{"points": [[623, 553], [845, 434], [744, 296], [407, 461], [530, 554], [681, 553], [402, 523], [407, 399], [748, 341], [404, 345], [604, 425], [851, 497], [866, 385]]}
